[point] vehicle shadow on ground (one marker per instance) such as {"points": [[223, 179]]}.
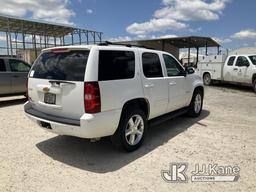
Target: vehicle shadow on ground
{"points": [[102, 157], [7, 103], [233, 87]]}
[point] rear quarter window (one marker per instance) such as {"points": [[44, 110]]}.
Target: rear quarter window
{"points": [[115, 65], [68, 66]]}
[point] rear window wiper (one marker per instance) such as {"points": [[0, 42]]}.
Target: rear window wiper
{"points": [[61, 82]]}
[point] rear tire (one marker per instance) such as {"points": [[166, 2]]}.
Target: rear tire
{"points": [[207, 79], [254, 85], [131, 130], [196, 105]]}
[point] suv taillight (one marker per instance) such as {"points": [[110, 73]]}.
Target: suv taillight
{"points": [[92, 103]]}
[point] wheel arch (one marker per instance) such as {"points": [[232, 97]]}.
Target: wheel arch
{"points": [[200, 88], [207, 72], [143, 103]]}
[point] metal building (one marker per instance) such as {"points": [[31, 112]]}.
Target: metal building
{"points": [[174, 44], [20, 37]]}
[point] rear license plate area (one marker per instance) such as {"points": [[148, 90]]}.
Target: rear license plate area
{"points": [[50, 98], [45, 125]]}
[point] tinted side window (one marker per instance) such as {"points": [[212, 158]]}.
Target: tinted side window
{"points": [[151, 65], [242, 61], [231, 61], [2, 65], [18, 66], [115, 65], [172, 66]]}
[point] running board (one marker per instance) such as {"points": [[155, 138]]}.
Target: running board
{"points": [[168, 116]]}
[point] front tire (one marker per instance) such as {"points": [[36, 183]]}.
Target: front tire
{"points": [[131, 131], [196, 105]]}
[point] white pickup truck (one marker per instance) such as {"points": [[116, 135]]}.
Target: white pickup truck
{"points": [[238, 69]]}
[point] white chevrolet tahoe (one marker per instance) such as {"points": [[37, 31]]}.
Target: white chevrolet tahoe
{"points": [[109, 90]]}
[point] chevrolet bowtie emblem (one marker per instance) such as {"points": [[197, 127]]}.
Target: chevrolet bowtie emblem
{"points": [[46, 89]]}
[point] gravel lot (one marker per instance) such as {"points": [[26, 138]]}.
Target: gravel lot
{"points": [[32, 159]]}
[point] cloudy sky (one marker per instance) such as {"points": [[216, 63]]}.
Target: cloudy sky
{"points": [[231, 22]]}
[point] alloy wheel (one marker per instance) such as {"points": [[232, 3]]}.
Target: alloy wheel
{"points": [[134, 130]]}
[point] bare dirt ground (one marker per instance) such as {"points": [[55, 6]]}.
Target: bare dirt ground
{"points": [[32, 159]]}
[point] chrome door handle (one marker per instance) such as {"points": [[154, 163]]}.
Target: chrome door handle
{"points": [[172, 83], [149, 85]]}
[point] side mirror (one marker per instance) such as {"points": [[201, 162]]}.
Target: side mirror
{"points": [[190, 70]]}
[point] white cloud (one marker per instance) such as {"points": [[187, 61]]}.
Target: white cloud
{"points": [[245, 34], [167, 36], [222, 40], [155, 25], [89, 11], [187, 10], [139, 37], [176, 13], [226, 40], [120, 38], [48, 10], [195, 30], [2, 38]]}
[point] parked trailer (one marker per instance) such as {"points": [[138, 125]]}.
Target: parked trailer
{"points": [[238, 69]]}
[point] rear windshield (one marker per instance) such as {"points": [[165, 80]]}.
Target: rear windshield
{"points": [[253, 59], [68, 66]]}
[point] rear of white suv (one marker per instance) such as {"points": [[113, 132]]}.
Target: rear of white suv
{"points": [[98, 91], [72, 90], [59, 98]]}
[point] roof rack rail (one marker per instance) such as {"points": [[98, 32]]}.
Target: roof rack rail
{"points": [[106, 43]]}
